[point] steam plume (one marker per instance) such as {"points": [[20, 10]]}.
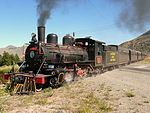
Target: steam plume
{"points": [[134, 14]]}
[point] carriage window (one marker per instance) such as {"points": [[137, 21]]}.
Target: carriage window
{"points": [[99, 49]]}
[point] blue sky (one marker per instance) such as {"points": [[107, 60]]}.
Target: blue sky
{"points": [[96, 18]]}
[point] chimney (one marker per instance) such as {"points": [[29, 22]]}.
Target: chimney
{"points": [[41, 34]]}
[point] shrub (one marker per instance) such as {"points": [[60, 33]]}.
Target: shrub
{"points": [[130, 95]]}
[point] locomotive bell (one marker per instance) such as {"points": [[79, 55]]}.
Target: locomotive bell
{"points": [[52, 38], [68, 40], [41, 34]]}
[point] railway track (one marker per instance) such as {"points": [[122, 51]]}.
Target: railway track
{"points": [[137, 68]]}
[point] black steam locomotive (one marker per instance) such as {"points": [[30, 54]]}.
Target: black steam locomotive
{"points": [[51, 64]]}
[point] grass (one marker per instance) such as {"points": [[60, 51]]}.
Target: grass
{"points": [[1, 79], [6, 69], [146, 101], [130, 95], [42, 101], [47, 90], [139, 104], [28, 100], [102, 86], [93, 104], [3, 94], [40, 98], [3, 91], [79, 100], [145, 61], [1, 109]]}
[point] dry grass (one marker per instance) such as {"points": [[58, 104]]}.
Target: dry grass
{"points": [[1, 77], [3, 91], [145, 61], [91, 103], [71, 98], [5, 69], [3, 95]]}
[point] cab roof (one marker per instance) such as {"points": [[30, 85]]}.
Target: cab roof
{"points": [[88, 38]]}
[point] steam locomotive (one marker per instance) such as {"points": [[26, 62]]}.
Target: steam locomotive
{"points": [[51, 64]]}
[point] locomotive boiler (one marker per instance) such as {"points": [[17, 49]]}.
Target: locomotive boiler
{"points": [[41, 57]]}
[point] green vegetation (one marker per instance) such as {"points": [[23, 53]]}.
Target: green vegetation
{"points": [[147, 60], [79, 100], [3, 94], [47, 90], [1, 79], [6, 62], [43, 101], [130, 95], [146, 101], [6, 69], [3, 91], [93, 104], [28, 100], [7, 59], [1, 109]]}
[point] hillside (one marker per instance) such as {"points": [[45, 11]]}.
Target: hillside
{"points": [[141, 43], [12, 50]]}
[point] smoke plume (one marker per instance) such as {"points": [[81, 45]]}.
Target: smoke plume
{"points": [[44, 8], [134, 14]]}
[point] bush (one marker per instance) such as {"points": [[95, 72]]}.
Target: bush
{"points": [[7, 59], [47, 90], [130, 95], [6, 69]]}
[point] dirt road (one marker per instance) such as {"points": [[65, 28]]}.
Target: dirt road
{"points": [[124, 90]]}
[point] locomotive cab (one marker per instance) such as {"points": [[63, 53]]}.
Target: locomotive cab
{"points": [[94, 49]]}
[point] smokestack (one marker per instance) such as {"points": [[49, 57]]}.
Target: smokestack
{"points": [[41, 34]]}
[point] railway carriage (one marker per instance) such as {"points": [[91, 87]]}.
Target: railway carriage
{"points": [[123, 57], [133, 56]]}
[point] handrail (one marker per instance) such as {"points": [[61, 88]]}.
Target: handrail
{"points": [[41, 66], [21, 66]]}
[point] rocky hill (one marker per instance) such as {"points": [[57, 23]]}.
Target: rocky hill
{"points": [[141, 43], [12, 50]]}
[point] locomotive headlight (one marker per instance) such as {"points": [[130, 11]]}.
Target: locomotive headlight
{"points": [[32, 54]]}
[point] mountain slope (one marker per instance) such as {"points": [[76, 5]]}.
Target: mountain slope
{"points": [[12, 50], [141, 43]]}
